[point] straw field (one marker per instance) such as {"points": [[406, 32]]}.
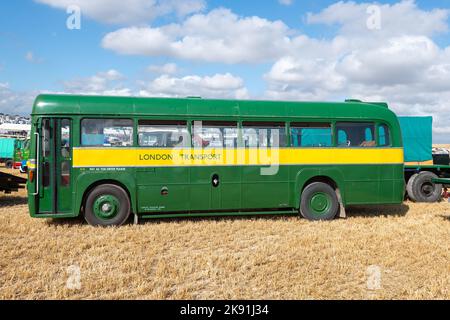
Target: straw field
{"points": [[400, 252]]}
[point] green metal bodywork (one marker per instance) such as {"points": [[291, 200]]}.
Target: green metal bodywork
{"points": [[242, 189]]}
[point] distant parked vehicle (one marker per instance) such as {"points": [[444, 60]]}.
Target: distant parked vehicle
{"points": [[7, 147]]}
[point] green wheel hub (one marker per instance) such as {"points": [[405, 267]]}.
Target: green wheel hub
{"points": [[320, 203], [106, 207]]}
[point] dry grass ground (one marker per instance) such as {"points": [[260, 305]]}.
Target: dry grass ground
{"points": [[408, 248]]}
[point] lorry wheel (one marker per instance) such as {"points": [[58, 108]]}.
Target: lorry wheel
{"points": [[409, 187], [9, 164], [424, 189]]}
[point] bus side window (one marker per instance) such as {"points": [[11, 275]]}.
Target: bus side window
{"points": [[163, 134], [107, 132], [357, 134], [212, 134], [383, 136], [311, 134], [264, 134]]}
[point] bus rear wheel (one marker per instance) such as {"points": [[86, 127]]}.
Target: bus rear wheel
{"points": [[107, 205], [319, 202]]}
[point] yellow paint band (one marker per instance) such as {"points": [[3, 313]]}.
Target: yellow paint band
{"points": [[147, 157]]}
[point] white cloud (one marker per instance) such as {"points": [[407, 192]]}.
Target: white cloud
{"points": [[216, 86], [13, 102], [397, 19], [102, 83], [399, 60], [130, 11], [168, 68], [400, 63], [219, 36], [112, 83]]}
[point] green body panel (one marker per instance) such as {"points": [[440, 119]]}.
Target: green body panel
{"points": [[242, 189]]}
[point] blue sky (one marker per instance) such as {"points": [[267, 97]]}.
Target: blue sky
{"points": [[304, 50]]}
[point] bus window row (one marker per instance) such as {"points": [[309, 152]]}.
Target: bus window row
{"points": [[221, 134]]}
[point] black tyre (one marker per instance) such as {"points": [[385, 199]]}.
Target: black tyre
{"points": [[319, 202], [9, 164], [107, 205], [409, 187], [424, 189]]}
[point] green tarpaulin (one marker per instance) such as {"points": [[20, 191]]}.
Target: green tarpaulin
{"points": [[417, 138]]}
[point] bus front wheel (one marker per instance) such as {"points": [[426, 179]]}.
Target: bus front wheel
{"points": [[319, 202], [107, 205]]}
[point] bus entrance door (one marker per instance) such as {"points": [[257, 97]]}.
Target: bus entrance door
{"points": [[55, 166]]}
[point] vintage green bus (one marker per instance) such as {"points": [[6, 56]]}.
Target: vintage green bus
{"points": [[109, 157]]}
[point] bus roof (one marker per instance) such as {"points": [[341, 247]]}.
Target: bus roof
{"points": [[112, 106]]}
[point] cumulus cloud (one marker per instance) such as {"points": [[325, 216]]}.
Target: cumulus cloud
{"points": [[130, 11], [165, 85], [168, 68], [14, 102], [402, 18], [400, 63], [219, 36], [102, 83], [216, 86]]}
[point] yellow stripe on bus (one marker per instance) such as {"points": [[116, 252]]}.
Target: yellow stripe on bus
{"points": [[141, 157]]}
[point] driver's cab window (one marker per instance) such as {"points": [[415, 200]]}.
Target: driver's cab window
{"points": [[353, 134]]}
